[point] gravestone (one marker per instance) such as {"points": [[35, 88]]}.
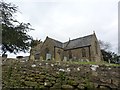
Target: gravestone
{"points": [[48, 56], [65, 59]]}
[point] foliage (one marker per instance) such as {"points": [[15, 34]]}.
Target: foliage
{"points": [[88, 84], [35, 42], [108, 55], [104, 45], [14, 33]]}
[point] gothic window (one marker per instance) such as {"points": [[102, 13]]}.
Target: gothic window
{"points": [[46, 50], [47, 54], [37, 56], [70, 54], [83, 52], [59, 51]]}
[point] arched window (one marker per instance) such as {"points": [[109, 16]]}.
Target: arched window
{"points": [[83, 52], [59, 51], [47, 54], [70, 54], [46, 50]]}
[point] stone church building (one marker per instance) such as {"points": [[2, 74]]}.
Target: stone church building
{"points": [[81, 49]]}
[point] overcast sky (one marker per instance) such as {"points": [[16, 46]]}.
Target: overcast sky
{"points": [[64, 19]]}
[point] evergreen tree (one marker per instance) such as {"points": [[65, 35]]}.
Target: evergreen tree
{"points": [[14, 33]]}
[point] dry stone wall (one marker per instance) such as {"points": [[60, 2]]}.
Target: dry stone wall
{"points": [[49, 75]]}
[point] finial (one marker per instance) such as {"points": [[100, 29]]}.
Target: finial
{"points": [[93, 32]]}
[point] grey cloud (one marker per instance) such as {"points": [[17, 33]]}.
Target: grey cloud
{"points": [[68, 18]]}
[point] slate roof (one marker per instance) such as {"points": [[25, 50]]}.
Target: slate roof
{"points": [[79, 42], [57, 43], [75, 43], [65, 44]]}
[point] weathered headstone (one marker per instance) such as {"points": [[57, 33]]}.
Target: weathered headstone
{"points": [[48, 56], [65, 59]]}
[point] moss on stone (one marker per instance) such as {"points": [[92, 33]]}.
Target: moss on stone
{"points": [[73, 83], [67, 87], [57, 85], [32, 84], [23, 75]]}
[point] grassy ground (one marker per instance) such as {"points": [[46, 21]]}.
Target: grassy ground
{"points": [[87, 63], [95, 63]]}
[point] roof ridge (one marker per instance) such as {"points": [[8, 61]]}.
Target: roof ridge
{"points": [[79, 38], [55, 40], [79, 42]]}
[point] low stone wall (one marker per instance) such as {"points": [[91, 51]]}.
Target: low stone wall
{"points": [[59, 75]]}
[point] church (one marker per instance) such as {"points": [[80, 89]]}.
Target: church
{"points": [[85, 48]]}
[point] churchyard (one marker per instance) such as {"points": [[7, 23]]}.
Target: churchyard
{"points": [[52, 75]]}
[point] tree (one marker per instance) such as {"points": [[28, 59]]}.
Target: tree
{"points": [[34, 43], [14, 33], [104, 45], [108, 55]]}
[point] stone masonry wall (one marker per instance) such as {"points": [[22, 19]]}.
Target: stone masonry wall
{"points": [[50, 75]]}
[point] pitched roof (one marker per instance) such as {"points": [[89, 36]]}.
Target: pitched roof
{"points": [[75, 43], [79, 42], [57, 43]]}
